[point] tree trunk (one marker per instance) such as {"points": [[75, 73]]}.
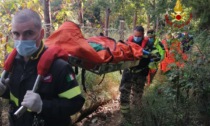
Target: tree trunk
{"points": [[156, 21], [157, 24], [107, 21], [122, 28], [148, 21], [134, 19], [80, 13], [47, 19]]}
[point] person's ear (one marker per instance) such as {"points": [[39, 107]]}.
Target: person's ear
{"points": [[40, 37], [42, 34]]}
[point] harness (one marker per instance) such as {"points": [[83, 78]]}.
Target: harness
{"points": [[143, 42]]}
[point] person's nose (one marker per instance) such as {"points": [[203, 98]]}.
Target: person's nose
{"points": [[22, 37]]}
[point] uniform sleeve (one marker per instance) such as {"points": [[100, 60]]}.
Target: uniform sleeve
{"points": [[161, 49], [68, 99]]}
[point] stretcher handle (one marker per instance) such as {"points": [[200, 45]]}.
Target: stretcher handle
{"points": [[22, 109]]}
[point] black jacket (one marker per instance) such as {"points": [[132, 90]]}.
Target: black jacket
{"points": [[57, 106], [142, 67]]}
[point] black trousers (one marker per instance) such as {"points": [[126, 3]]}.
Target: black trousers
{"points": [[132, 82]]}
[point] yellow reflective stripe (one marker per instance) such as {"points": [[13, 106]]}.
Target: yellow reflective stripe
{"points": [[14, 99], [38, 54], [70, 93], [125, 111], [124, 107]]}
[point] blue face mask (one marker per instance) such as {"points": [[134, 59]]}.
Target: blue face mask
{"points": [[151, 40], [26, 47], [137, 39]]}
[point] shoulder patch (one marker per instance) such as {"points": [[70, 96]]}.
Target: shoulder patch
{"points": [[70, 77], [47, 78]]}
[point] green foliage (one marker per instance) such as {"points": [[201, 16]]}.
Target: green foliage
{"points": [[63, 11], [181, 97], [106, 90], [95, 13], [120, 9], [201, 12], [156, 105], [9, 7]]}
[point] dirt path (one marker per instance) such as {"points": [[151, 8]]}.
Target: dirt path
{"points": [[106, 115], [4, 114]]}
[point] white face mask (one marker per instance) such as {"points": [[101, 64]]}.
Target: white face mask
{"points": [[26, 47]]}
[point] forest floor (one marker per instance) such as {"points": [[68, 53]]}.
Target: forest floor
{"points": [[4, 114], [110, 115], [106, 115]]}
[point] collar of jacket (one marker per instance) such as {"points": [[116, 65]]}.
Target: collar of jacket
{"points": [[37, 54]]}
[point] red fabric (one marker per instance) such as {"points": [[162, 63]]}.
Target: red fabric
{"points": [[118, 54], [130, 38], [143, 44], [136, 50], [9, 61], [127, 51], [150, 73], [47, 58], [104, 41], [170, 53], [110, 44], [70, 38]]}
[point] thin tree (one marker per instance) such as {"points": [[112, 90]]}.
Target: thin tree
{"points": [[47, 18]]}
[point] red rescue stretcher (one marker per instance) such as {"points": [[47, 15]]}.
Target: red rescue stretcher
{"points": [[98, 54]]}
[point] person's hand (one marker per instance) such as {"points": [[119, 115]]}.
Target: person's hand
{"points": [[3, 84], [32, 101]]}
